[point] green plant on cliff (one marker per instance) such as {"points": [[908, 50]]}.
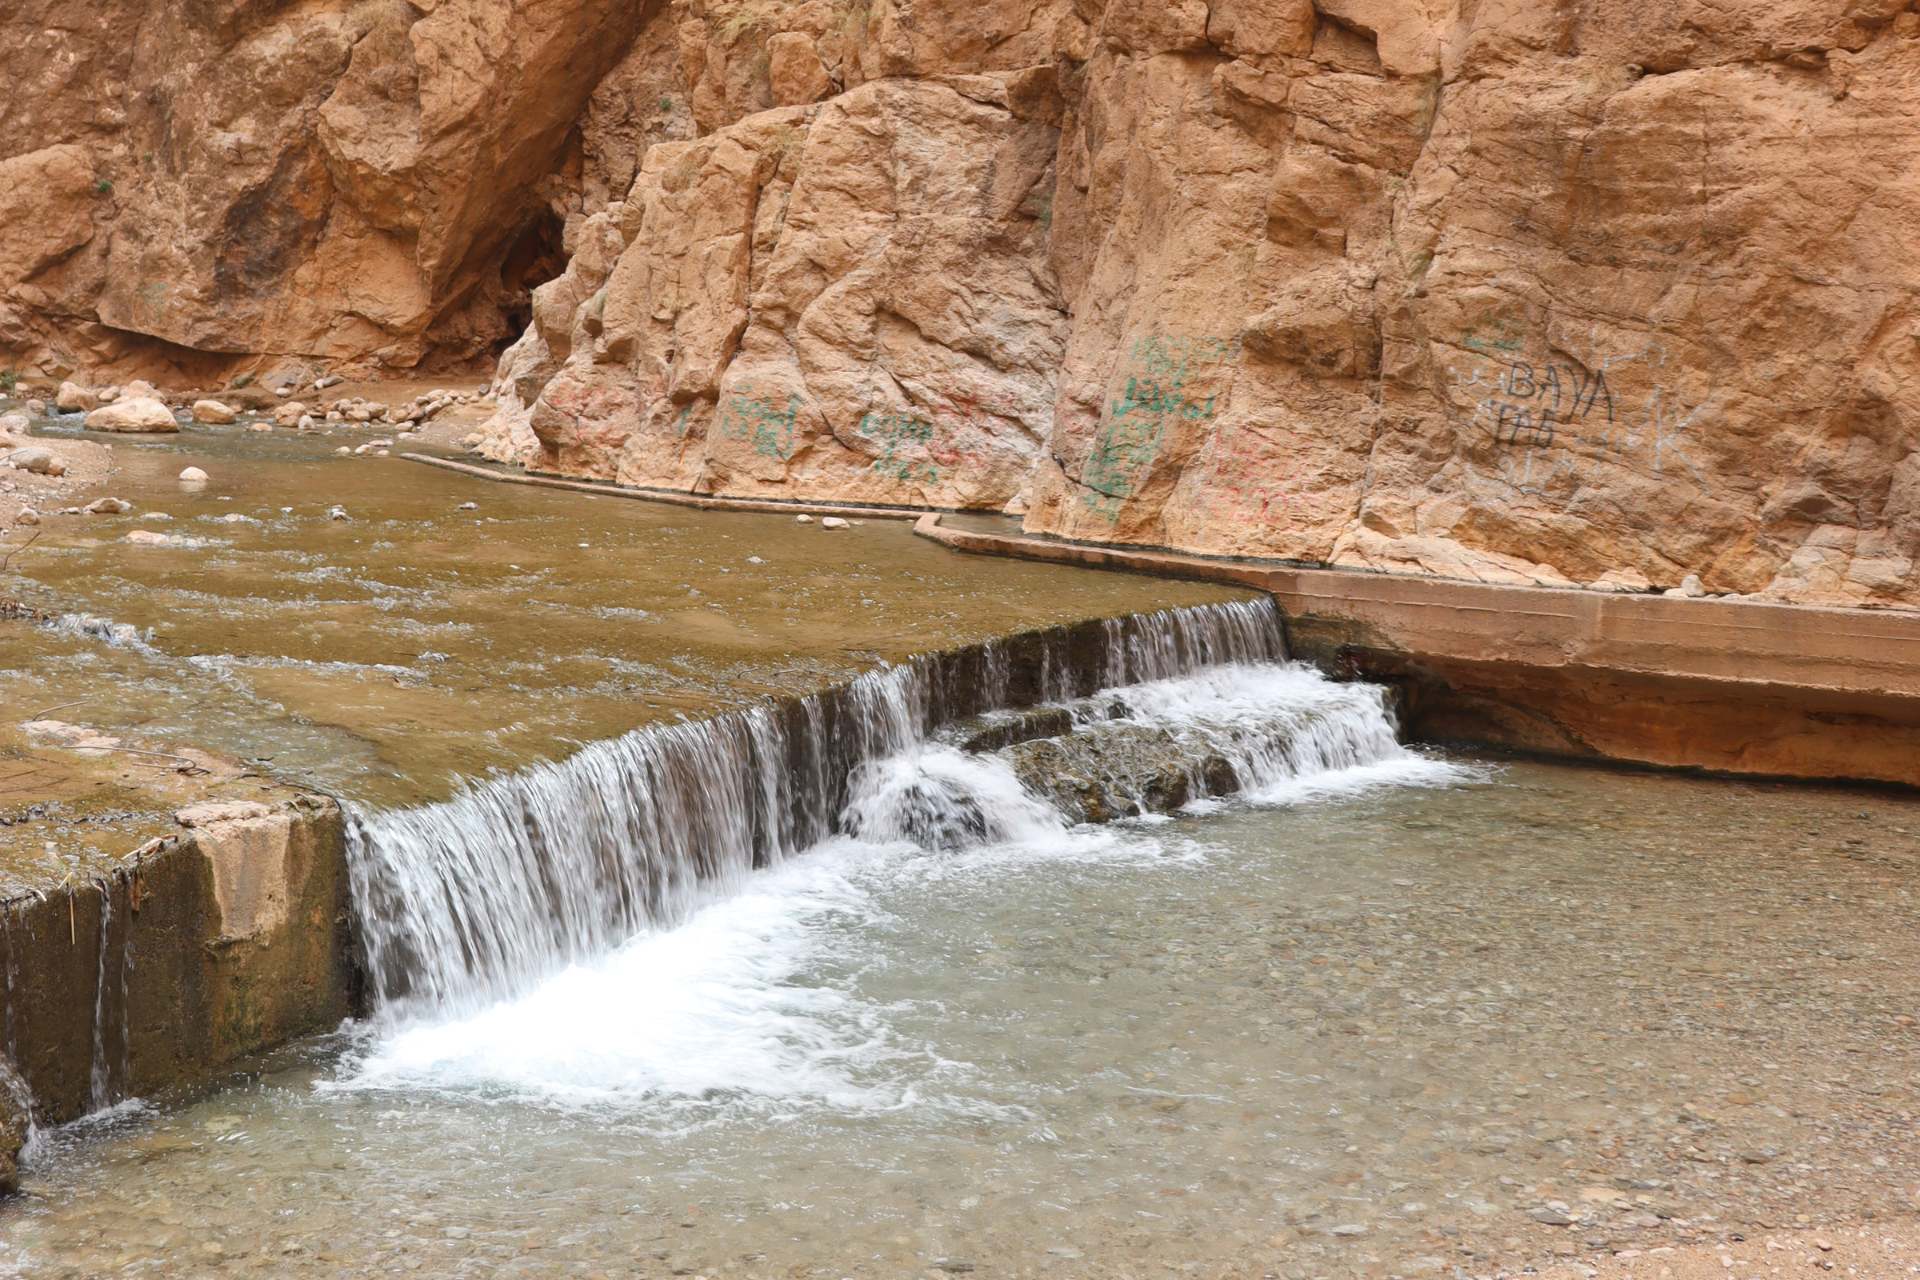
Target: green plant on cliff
{"points": [[103, 186], [8, 381]]}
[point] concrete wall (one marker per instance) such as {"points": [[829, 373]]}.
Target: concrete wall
{"points": [[203, 947], [1721, 684]]}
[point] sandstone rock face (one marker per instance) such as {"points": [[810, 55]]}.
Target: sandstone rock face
{"points": [[354, 181], [1507, 293], [134, 414], [848, 300], [1550, 293]]}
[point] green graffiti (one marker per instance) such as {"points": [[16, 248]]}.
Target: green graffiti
{"points": [[1137, 424], [1499, 335], [901, 434], [1175, 359], [763, 422]]}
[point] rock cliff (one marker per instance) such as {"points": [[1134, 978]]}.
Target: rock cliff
{"points": [[1546, 292]]}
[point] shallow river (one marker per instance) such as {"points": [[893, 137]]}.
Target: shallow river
{"points": [[1383, 1024], [416, 643]]}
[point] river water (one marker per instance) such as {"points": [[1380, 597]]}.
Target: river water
{"points": [[417, 643], [1374, 1020], [824, 993]]}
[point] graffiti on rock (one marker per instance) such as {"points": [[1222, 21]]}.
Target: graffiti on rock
{"points": [[1552, 419], [1159, 399], [901, 437], [762, 420]]}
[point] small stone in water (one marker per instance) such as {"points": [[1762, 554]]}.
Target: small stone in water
{"points": [[803, 519], [194, 475], [338, 513], [834, 522], [469, 506]]}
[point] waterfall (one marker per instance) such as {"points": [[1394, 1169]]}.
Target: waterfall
{"points": [[462, 904]]}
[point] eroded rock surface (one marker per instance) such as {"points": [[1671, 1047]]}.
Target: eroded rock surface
{"points": [[1551, 293], [1494, 294]]}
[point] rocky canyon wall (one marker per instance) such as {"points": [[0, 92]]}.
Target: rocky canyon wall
{"points": [[1563, 291], [360, 182]]}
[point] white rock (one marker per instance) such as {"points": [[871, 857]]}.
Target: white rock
{"points": [[259, 426], [149, 538], [15, 424], [344, 452], [133, 414], [1691, 587], [469, 506], [834, 522], [40, 462], [288, 414], [214, 413], [803, 519], [338, 513], [193, 475], [109, 507], [27, 516], [36, 408], [139, 389]]}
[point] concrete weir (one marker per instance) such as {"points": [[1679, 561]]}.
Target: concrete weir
{"points": [[198, 949], [234, 932], [1734, 686]]}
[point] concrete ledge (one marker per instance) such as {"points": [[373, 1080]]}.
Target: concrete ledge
{"points": [[674, 498], [200, 948], [1731, 685]]}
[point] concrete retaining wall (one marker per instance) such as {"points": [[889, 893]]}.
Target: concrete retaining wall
{"points": [[1728, 685]]}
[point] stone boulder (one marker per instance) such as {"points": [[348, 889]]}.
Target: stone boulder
{"points": [[133, 414], [38, 460], [214, 413], [73, 398]]}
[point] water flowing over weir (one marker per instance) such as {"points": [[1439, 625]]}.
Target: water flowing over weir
{"points": [[462, 904]]}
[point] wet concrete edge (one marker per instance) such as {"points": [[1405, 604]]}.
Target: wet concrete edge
{"points": [[1729, 686]]}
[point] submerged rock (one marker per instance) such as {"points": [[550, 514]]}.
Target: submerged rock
{"points": [[1120, 770], [109, 507], [996, 733]]}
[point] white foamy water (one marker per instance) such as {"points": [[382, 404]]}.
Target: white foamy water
{"points": [[659, 919]]}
